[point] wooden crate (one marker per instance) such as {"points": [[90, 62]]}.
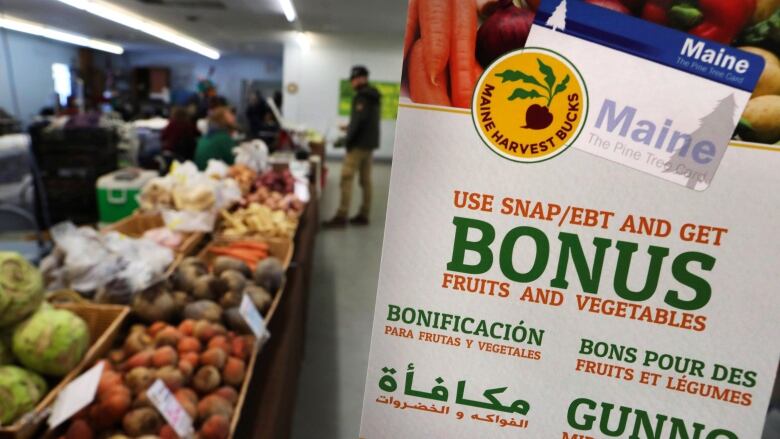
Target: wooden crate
{"points": [[104, 323], [138, 223], [250, 367]]}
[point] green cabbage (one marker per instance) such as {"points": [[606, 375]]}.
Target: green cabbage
{"points": [[21, 288]]}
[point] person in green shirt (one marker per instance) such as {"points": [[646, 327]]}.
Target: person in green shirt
{"points": [[218, 143]]}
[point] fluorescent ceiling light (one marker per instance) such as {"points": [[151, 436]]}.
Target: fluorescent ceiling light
{"points": [[289, 10], [40, 30], [142, 24], [304, 40]]}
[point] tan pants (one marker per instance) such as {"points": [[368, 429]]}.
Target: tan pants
{"points": [[357, 161]]}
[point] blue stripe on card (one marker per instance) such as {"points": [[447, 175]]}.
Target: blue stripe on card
{"points": [[670, 47]]}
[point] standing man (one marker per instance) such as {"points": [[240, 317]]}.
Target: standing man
{"points": [[361, 140]]}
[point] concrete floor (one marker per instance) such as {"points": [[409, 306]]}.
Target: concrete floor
{"points": [[341, 309]]}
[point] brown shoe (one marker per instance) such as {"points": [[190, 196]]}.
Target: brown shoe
{"points": [[337, 222], [359, 220]]}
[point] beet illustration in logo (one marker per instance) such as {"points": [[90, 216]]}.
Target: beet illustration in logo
{"points": [[537, 117]]}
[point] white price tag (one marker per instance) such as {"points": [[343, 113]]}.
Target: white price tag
{"points": [[169, 407], [249, 312], [76, 395]]}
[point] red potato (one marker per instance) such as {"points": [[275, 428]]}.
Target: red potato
{"points": [[188, 344], [215, 427], [228, 393], [187, 327], [463, 49], [435, 31], [79, 429], [234, 372], [155, 328], [164, 356], [421, 90], [221, 342], [214, 357], [190, 357], [167, 432], [141, 359]]}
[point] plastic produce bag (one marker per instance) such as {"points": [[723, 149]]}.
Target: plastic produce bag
{"points": [[112, 264], [253, 154]]}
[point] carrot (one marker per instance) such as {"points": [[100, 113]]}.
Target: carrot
{"points": [[236, 252], [463, 51], [478, 71], [257, 245], [421, 90], [435, 29], [412, 26]]}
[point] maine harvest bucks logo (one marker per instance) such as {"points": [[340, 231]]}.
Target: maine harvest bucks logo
{"points": [[530, 105]]}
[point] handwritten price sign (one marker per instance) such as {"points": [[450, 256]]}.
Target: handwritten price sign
{"points": [[169, 407], [249, 312]]}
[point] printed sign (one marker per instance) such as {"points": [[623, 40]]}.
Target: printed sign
{"points": [[390, 92], [573, 247], [76, 395], [169, 407]]}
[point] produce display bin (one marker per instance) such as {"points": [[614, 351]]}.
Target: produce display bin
{"points": [[104, 323], [138, 223], [117, 193], [279, 248]]}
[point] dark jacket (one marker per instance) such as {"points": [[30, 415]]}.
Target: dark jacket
{"points": [[363, 130], [180, 137]]}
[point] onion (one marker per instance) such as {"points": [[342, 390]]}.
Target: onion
{"points": [[506, 30]]}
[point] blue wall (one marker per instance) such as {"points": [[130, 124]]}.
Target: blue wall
{"points": [[30, 58], [187, 68]]}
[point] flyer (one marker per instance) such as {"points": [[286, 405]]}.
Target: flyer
{"points": [[575, 246]]}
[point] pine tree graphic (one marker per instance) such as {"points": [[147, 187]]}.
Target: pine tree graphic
{"points": [[558, 18], [715, 127]]}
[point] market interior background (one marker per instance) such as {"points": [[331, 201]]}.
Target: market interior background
{"points": [[260, 50], [312, 384]]}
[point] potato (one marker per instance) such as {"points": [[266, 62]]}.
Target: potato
{"points": [[142, 421], [769, 83], [206, 379], [235, 280], [214, 405], [79, 429], [234, 372], [203, 310], [224, 263], [269, 274], [139, 379], [215, 427], [172, 377], [209, 287], [260, 297], [763, 114], [169, 336], [235, 321]]}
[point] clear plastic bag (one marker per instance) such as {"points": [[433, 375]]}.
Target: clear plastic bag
{"points": [[88, 261]]}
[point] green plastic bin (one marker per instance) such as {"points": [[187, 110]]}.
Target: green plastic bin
{"points": [[117, 193]]}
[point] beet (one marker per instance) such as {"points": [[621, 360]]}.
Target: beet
{"points": [[538, 117], [504, 31]]}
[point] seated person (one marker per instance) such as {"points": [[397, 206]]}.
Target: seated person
{"points": [[218, 142]]}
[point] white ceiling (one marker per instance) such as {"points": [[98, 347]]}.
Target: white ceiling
{"points": [[239, 26]]}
